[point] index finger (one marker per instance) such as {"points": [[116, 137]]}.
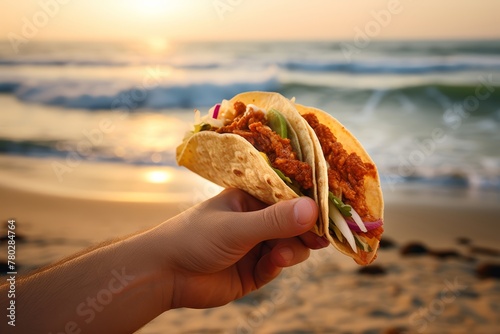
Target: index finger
{"points": [[313, 241], [241, 201]]}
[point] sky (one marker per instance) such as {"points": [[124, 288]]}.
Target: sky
{"points": [[209, 20]]}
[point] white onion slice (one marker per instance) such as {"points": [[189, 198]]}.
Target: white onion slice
{"points": [[216, 123], [341, 224], [197, 116], [209, 118], [357, 220]]}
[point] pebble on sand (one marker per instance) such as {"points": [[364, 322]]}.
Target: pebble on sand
{"points": [[463, 241], [414, 248], [445, 253], [488, 270], [386, 243], [372, 270]]}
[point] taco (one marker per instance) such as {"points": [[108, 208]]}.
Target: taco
{"points": [[349, 193], [257, 142], [275, 150]]}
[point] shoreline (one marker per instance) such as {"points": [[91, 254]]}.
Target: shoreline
{"points": [[103, 181]]}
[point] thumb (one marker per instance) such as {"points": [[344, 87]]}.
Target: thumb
{"points": [[284, 219]]}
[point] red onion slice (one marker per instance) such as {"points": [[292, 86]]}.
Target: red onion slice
{"points": [[369, 225], [216, 111]]}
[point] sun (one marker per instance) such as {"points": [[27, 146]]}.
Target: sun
{"points": [[153, 6]]}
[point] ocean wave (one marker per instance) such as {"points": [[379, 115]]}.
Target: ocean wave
{"points": [[470, 180], [111, 63], [107, 95], [451, 90], [63, 62], [453, 93], [9, 86], [443, 48], [29, 147], [399, 65], [63, 149], [338, 64], [102, 95]]}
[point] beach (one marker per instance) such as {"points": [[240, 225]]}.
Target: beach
{"points": [[427, 293], [88, 137]]}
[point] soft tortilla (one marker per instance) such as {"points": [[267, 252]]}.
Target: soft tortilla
{"points": [[231, 161], [373, 192]]}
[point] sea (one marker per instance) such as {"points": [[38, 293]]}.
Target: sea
{"points": [[105, 118], [428, 112]]}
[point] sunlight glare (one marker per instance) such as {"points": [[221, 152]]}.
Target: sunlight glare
{"points": [[158, 176], [158, 44]]}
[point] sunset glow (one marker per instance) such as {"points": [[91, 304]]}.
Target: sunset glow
{"points": [[149, 9], [246, 20]]}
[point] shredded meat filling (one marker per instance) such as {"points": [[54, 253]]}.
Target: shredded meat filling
{"points": [[346, 171], [252, 126]]}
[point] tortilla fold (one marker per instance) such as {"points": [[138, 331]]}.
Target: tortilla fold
{"points": [[373, 192]]}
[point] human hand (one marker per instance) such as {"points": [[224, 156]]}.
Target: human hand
{"points": [[207, 256], [230, 245]]}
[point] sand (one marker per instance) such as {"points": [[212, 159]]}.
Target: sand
{"points": [[326, 294]]}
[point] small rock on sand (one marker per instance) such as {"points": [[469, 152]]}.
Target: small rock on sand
{"points": [[445, 253], [386, 243], [372, 270], [463, 241], [488, 270], [396, 330], [414, 248]]}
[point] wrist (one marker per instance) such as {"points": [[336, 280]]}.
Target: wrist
{"points": [[157, 263]]}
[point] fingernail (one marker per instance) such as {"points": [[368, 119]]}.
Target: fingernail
{"points": [[322, 242], [303, 211], [286, 253]]}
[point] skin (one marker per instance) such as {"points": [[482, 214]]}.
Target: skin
{"points": [[209, 255]]}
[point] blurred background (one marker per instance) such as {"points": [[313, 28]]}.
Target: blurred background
{"points": [[95, 97]]}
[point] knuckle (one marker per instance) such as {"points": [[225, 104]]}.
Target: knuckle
{"points": [[276, 218]]}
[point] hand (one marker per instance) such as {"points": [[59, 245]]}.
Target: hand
{"points": [[232, 244], [211, 254]]}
